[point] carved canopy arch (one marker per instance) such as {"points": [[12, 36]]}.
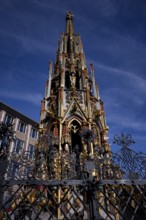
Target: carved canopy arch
{"points": [[73, 117]]}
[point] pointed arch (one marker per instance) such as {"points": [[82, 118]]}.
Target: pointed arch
{"points": [[76, 142], [74, 119]]}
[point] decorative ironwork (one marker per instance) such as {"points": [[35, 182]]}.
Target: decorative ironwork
{"points": [[46, 139], [87, 135], [122, 200], [75, 200], [7, 135], [41, 202], [44, 164], [123, 140], [131, 163], [48, 163], [71, 185]]}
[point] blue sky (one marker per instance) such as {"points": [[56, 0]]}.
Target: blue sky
{"points": [[114, 40]]}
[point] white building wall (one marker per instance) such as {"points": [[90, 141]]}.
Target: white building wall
{"points": [[25, 137]]}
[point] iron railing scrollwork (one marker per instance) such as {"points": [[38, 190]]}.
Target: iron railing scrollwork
{"points": [[48, 184], [131, 163]]}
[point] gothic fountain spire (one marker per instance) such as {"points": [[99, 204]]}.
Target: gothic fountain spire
{"points": [[72, 101]]}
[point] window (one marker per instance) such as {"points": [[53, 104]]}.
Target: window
{"points": [[33, 133], [31, 151], [21, 127], [8, 119], [14, 171], [18, 145]]}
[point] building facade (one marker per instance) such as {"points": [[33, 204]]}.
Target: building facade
{"points": [[26, 129]]}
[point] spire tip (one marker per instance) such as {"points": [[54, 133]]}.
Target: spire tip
{"points": [[91, 67], [69, 15], [50, 64], [69, 23]]}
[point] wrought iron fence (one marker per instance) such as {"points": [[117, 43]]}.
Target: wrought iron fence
{"points": [[107, 199], [61, 185]]}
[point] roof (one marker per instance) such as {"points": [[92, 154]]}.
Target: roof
{"points": [[17, 114]]}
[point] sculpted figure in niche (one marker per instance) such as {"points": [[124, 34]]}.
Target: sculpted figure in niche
{"points": [[66, 147], [73, 80]]}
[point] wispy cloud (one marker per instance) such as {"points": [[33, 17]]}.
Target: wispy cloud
{"points": [[136, 81], [32, 98], [29, 44], [126, 121], [107, 8], [124, 105], [47, 5]]}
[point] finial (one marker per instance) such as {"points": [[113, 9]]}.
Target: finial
{"points": [[50, 64], [69, 23], [69, 15], [50, 68], [91, 67]]}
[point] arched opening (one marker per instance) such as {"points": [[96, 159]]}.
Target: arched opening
{"points": [[67, 80], [77, 80], [68, 45], [76, 144]]}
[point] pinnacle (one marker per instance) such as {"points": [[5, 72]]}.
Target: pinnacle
{"points": [[69, 23], [69, 15]]}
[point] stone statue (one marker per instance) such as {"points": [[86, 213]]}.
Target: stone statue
{"points": [[66, 147], [73, 80]]}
